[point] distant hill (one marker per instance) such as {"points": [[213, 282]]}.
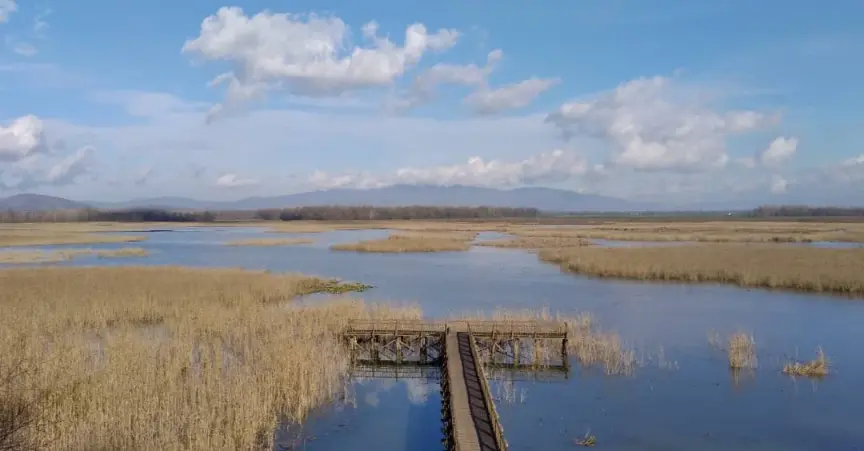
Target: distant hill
{"points": [[38, 202], [546, 199]]}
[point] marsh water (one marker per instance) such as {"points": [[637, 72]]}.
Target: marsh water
{"points": [[686, 400]]}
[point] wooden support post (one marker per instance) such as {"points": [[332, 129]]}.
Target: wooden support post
{"points": [[424, 351], [514, 343], [398, 349]]}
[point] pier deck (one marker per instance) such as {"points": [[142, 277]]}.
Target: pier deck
{"points": [[453, 349]]}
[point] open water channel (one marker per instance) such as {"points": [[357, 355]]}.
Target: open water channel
{"points": [[690, 402]]}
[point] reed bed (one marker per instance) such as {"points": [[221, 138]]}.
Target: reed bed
{"points": [[764, 266], [537, 242], [10, 238], [39, 256], [706, 232], [818, 367], [408, 243], [167, 358], [270, 242], [590, 346]]}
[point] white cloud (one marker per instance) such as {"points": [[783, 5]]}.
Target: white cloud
{"points": [[234, 181], [855, 161], [7, 7], [779, 185], [423, 88], [555, 166], [24, 49], [305, 55], [68, 169], [508, 97], [780, 150], [24, 137], [653, 124]]}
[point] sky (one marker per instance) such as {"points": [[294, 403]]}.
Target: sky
{"points": [[661, 101]]}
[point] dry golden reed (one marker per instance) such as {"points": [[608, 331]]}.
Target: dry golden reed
{"points": [[409, 243], [55, 256], [537, 242], [818, 367], [167, 358], [765, 266], [756, 232], [270, 242], [742, 351]]}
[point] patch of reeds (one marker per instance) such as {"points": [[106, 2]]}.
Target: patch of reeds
{"points": [[168, 358], [270, 242], [818, 367], [409, 243], [742, 351], [764, 266], [707, 232], [55, 256], [537, 242]]}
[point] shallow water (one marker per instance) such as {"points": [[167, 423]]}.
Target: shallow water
{"points": [[696, 406]]}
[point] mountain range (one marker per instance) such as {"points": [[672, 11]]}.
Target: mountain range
{"points": [[546, 199]]}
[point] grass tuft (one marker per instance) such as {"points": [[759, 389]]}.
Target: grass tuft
{"points": [[742, 351], [819, 367]]}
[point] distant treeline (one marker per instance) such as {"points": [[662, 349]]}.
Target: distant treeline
{"points": [[368, 213], [323, 213], [804, 211]]}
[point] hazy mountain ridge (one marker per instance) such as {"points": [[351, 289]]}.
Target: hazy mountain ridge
{"points": [[545, 199]]}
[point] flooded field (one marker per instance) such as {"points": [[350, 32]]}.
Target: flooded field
{"points": [[682, 397]]}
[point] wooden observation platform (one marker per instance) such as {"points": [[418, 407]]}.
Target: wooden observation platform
{"points": [[459, 354]]}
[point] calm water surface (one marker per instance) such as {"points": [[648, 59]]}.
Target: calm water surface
{"points": [[696, 406]]}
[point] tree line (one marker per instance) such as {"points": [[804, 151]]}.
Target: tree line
{"points": [[767, 211], [314, 213]]}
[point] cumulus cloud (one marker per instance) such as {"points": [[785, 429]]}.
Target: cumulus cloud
{"points": [[24, 137], [306, 55], [780, 150], [509, 97], [68, 169], [652, 124], [234, 181], [423, 88], [555, 166], [7, 7]]}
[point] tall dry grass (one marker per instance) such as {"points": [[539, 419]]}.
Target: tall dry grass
{"points": [[742, 351], [766, 266], [409, 243], [167, 358], [720, 232], [537, 242], [39, 256]]}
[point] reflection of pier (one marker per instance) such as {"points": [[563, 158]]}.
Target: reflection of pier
{"points": [[464, 352]]}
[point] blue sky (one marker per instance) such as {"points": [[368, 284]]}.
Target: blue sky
{"points": [[665, 101]]}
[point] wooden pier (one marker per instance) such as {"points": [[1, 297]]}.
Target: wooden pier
{"points": [[459, 354]]}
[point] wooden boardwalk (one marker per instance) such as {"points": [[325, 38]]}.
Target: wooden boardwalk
{"points": [[470, 419]]}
